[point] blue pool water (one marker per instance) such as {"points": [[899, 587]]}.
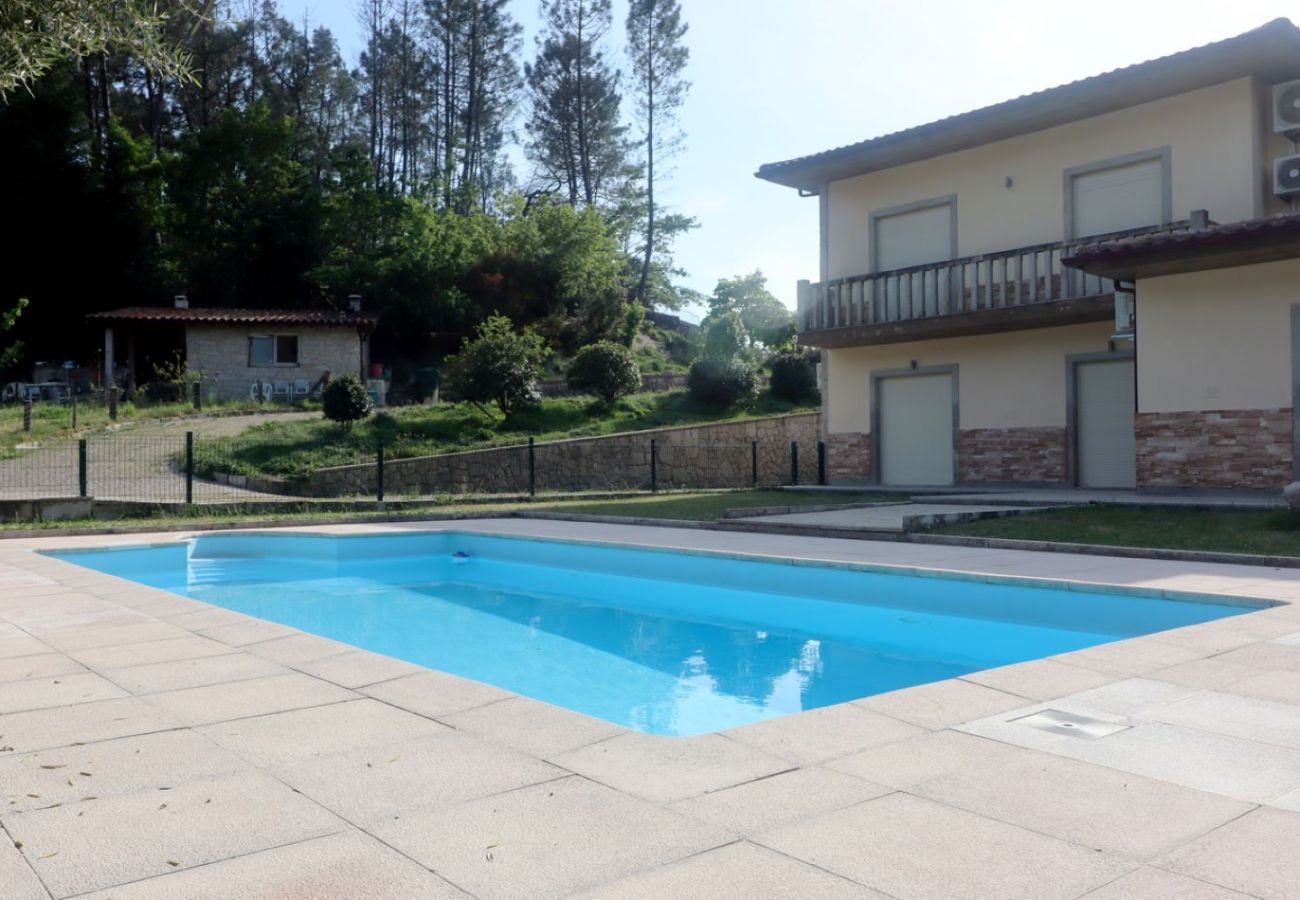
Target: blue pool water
{"points": [[661, 642]]}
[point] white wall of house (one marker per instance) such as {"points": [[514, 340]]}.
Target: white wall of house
{"points": [[222, 354], [1013, 379], [1217, 340], [1220, 148]]}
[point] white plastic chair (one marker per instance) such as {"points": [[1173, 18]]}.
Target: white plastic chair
{"points": [[302, 387]]}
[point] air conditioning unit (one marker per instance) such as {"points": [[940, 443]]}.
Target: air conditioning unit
{"points": [[1286, 109], [1286, 176]]}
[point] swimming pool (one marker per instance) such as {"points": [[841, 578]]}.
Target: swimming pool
{"points": [[664, 642]]}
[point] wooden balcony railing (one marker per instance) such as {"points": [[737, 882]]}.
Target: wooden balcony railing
{"points": [[1020, 277]]}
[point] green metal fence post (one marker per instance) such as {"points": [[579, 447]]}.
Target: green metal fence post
{"points": [[112, 402], [83, 486], [189, 467], [753, 463], [794, 462], [532, 469], [198, 396], [654, 466], [821, 463], [379, 471]]}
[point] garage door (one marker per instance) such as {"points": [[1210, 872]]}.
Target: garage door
{"points": [[913, 238], [1104, 424], [915, 429], [1118, 198]]}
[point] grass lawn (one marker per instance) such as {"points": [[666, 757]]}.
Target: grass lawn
{"points": [[1267, 532], [53, 421], [294, 449], [698, 507]]}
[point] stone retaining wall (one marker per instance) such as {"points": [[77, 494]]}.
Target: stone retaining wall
{"points": [[1234, 449], [718, 455]]}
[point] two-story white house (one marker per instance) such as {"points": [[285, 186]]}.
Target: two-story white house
{"points": [[1094, 285]]}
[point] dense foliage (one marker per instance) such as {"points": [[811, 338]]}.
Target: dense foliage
{"points": [[344, 400], [280, 174], [725, 337], [722, 382], [498, 365], [765, 319], [606, 370], [794, 375]]}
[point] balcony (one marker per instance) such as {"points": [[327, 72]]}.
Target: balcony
{"points": [[1011, 289]]}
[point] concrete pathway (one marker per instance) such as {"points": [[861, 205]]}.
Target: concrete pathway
{"points": [[157, 746], [136, 462], [894, 517]]}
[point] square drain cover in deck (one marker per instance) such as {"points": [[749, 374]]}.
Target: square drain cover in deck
{"points": [[1058, 722]]}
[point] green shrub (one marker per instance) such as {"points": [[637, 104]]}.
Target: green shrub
{"points": [[722, 382], [605, 369], [345, 400], [726, 338], [498, 365], [794, 376]]}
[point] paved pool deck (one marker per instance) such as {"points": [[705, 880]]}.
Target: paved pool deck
{"points": [[156, 746]]}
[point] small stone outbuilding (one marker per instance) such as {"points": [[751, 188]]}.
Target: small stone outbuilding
{"points": [[285, 354]]}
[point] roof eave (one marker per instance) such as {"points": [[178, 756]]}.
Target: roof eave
{"points": [[1271, 53], [1218, 252]]}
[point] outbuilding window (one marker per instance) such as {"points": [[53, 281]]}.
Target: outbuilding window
{"points": [[273, 350]]}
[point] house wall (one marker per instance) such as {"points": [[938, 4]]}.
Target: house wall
{"points": [[1220, 148], [1214, 377], [1011, 398], [221, 353]]}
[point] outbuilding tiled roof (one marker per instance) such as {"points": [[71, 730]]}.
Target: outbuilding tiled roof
{"points": [[210, 316], [1270, 53]]}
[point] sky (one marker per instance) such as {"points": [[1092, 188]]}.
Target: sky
{"points": [[774, 79]]}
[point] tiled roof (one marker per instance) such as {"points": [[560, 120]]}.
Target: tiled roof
{"points": [[1271, 52], [1188, 238], [209, 316]]}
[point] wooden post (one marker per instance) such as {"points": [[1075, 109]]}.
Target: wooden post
{"points": [[112, 400], [130, 365], [794, 462], [27, 414]]}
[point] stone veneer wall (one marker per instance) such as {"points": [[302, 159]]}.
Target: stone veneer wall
{"points": [[1238, 449], [718, 455], [848, 457], [221, 354], [1011, 455]]}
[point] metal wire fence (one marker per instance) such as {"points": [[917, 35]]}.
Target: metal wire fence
{"points": [[182, 467]]}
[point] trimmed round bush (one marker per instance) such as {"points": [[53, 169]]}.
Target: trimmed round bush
{"points": [[722, 382], [345, 400], [606, 370], [794, 376]]}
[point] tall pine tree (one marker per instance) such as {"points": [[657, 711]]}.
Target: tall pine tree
{"points": [[655, 33], [576, 139]]}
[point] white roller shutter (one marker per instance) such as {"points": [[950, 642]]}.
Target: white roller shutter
{"points": [[1118, 198], [913, 238], [1104, 424], [915, 422]]}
